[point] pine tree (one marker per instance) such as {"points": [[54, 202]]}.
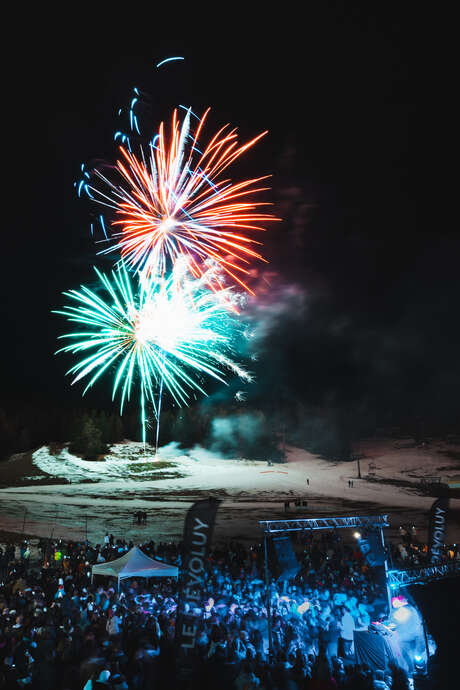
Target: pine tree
{"points": [[73, 426], [167, 421], [5, 435], [24, 441], [89, 440], [103, 422], [182, 428], [116, 428]]}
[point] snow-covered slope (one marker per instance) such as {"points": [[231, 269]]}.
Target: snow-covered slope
{"points": [[127, 460], [129, 479], [391, 471]]}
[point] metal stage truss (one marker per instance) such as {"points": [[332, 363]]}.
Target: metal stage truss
{"points": [[421, 576], [369, 521], [306, 525]]}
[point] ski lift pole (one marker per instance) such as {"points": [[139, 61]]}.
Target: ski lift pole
{"points": [[24, 522]]}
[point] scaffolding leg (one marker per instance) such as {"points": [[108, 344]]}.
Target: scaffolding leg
{"points": [[386, 572], [268, 603]]}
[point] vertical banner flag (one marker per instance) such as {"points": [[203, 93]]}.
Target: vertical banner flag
{"points": [[438, 522], [372, 549], [198, 529], [286, 565]]}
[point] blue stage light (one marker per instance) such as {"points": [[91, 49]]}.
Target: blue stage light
{"points": [[402, 614]]}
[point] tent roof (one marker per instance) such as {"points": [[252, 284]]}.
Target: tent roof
{"points": [[135, 563]]}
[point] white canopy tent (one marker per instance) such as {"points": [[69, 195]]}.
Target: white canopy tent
{"points": [[134, 563]]}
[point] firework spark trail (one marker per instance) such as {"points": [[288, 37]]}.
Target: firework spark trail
{"points": [[173, 203], [165, 331], [163, 62]]}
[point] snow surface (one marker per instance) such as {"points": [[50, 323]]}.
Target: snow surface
{"points": [[252, 490], [125, 460], [204, 471]]}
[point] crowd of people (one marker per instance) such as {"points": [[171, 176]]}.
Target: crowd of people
{"points": [[410, 552], [60, 630]]}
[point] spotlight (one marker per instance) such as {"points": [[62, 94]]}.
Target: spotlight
{"points": [[357, 535], [399, 601], [420, 668], [402, 614]]}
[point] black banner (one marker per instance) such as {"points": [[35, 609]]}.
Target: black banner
{"points": [[437, 530], [372, 549], [284, 565], [198, 529]]}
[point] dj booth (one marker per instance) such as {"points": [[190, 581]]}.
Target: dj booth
{"points": [[378, 648]]}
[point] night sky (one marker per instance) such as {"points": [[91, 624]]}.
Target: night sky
{"points": [[337, 95]]}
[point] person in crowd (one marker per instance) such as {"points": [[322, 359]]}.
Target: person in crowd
{"points": [[59, 630], [346, 627], [379, 681]]}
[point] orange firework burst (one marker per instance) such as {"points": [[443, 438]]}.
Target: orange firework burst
{"points": [[175, 203]]}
